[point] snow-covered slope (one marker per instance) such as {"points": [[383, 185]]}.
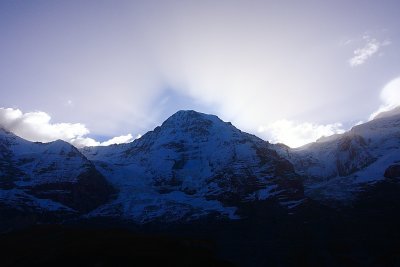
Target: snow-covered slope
{"points": [[338, 166], [51, 176], [193, 165]]}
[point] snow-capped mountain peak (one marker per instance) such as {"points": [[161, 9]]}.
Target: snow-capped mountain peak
{"points": [[182, 117], [209, 163]]}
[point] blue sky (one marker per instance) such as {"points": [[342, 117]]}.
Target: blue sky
{"points": [[287, 71]]}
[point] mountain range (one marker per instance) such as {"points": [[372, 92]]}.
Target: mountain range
{"points": [[197, 168], [191, 166]]}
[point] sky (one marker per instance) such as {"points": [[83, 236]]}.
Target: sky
{"points": [[103, 72]]}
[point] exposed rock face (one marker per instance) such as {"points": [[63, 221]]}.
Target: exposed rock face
{"points": [[393, 171], [89, 191], [352, 155], [342, 156]]}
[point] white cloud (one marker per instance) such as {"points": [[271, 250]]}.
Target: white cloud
{"points": [[295, 134], [118, 140], [83, 141], [390, 97], [361, 55], [36, 126]]}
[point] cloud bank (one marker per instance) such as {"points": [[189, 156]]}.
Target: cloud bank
{"points": [[295, 134], [37, 127]]}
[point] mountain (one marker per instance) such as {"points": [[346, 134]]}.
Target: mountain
{"points": [[53, 177], [191, 166], [340, 166]]}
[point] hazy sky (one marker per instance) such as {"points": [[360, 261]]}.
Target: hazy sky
{"points": [[287, 71]]}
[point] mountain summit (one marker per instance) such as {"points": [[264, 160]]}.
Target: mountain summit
{"points": [[198, 163]]}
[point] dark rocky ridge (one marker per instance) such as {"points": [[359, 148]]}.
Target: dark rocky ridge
{"points": [[393, 171]]}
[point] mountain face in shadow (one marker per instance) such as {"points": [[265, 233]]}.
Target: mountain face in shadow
{"points": [[66, 246]]}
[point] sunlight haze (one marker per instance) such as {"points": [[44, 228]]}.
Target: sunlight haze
{"points": [[89, 72]]}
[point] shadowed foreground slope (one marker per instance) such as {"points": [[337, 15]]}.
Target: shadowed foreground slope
{"points": [[64, 246]]}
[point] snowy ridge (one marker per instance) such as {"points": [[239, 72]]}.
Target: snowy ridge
{"points": [[54, 174], [39, 163], [339, 166]]}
